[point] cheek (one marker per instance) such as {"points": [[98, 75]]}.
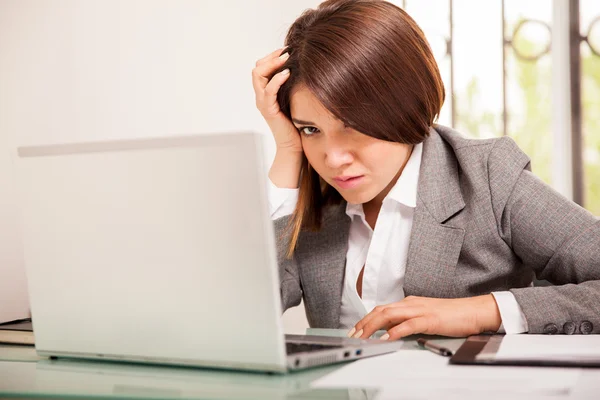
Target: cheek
{"points": [[374, 158], [383, 160], [312, 153]]}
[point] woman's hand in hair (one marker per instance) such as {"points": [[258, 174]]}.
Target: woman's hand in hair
{"points": [[285, 133], [446, 317]]}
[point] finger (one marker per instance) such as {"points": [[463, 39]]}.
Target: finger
{"points": [[270, 56], [356, 331], [389, 317], [270, 92], [409, 327], [262, 73], [367, 318]]}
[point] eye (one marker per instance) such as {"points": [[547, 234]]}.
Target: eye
{"points": [[308, 130]]}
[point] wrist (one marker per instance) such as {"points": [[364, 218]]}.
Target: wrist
{"points": [[285, 170], [289, 149], [488, 313]]}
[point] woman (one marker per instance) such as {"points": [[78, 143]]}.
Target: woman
{"points": [[386, 220]]}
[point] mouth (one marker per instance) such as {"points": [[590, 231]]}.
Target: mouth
{"points": [[348, 182]]}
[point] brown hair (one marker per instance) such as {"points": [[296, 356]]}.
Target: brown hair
{"points": [[369, 64]]}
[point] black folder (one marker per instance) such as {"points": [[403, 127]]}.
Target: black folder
{"points": [[481, 350]]}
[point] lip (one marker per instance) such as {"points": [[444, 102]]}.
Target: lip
{"points": [[348, 182]]}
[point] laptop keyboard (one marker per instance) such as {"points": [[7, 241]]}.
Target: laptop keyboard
{"points": [[293, 348]]}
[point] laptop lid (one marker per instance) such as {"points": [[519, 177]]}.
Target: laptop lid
{"points": [[157, 250]]}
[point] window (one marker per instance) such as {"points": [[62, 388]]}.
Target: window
{"points": [[497, 69], [589, 18]]}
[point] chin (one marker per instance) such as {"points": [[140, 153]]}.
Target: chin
{"points": [[356, 198]]}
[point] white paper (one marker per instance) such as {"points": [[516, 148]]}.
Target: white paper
{"points": [[423, 374], [547, 347]]}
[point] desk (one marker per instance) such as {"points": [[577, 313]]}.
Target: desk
{"points": [[23, 374]]}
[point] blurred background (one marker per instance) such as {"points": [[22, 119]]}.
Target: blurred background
{"points": [[80, 70], [529, 69]]}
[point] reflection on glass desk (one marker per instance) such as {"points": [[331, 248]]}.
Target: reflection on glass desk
{"points": [[31, 376], [15, 352], [75, 378]]}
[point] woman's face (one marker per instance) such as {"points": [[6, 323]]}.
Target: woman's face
{"points": [[360, 167]]}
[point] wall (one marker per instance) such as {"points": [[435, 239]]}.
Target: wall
{"points": [[74, 70], [13, 295]]}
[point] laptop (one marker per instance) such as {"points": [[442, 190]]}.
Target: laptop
{"points": [[161, 250]]}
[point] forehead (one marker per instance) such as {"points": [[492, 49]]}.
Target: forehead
{"points": [[305, 106]]}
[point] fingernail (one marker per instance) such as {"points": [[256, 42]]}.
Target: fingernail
{"points": [[285, 71], [358, 334], [385, 336], [284, 56], [351, 332]]}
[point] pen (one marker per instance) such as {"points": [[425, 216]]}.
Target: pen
{"points": [[442, 351]]}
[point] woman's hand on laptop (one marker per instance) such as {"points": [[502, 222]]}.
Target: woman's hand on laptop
{"points": [[447, 317]]}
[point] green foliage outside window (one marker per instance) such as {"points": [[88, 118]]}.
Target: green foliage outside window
{"points": [[530, 125]]}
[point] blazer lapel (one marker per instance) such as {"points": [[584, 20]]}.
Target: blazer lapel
{"points": [[323, 268], [435, 244]]}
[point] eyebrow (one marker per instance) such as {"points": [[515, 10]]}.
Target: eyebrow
{"points": [[300, 122]]}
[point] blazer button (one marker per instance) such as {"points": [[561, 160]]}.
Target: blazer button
{"points": [[586, 327], [569, 328], [550, 329]]}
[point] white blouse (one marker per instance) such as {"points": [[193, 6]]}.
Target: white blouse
{"points": [[383, 251]]}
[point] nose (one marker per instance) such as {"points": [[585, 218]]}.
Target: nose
{"points": [[338, 154]]}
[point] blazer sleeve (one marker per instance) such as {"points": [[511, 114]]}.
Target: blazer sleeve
{"points": [[555, 237], [291, 290]]}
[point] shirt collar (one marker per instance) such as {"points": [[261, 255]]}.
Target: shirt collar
{"points": [[405, 189]]}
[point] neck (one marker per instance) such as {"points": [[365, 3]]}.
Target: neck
{"points": [[371, 211]]}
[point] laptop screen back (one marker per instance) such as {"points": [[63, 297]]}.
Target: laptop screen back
{"points": [[153, 250]]}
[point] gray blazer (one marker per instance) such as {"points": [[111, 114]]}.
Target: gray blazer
{"points": [[483, 223]]}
